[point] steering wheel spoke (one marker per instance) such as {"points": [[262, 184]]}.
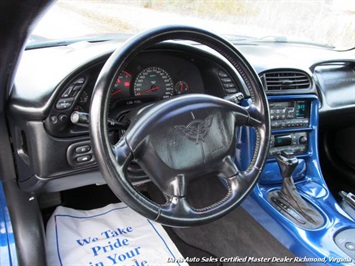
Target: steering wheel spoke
{"points": [[237, 181], [178, 185], [240, 182], [228, 168], [248, 116], [181, 208], [175, 187], [256, 116], [123, 154], [177, 206]]}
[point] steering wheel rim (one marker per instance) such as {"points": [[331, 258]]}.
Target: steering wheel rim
{"points": [[113, 160]]}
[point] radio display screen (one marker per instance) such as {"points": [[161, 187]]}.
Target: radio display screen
{"points": [[301, 109]]}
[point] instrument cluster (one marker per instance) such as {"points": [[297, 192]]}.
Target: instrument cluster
{"points": [[154, 82], [151, 77]]}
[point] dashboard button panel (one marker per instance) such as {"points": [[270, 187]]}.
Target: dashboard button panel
{"points": [[57, 123], [63, 104], [84, 158], [80, 153], [83, 149], [68, 97], [227, 82]]}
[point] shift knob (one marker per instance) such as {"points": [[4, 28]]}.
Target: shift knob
{"points": [[287, 163]]}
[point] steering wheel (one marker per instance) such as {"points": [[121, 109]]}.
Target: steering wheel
{"points": [[180, 139]]}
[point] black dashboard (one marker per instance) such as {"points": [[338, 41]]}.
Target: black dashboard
{"points": [[150, 77], [54, 153], [335, 80]]}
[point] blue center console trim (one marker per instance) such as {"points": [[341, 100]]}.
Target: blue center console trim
{"points": [[7, 240], [310, 243]]}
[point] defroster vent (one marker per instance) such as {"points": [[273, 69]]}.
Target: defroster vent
{"points": [[285, 80]]}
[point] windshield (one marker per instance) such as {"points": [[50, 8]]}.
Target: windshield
{"points": [[323, 22]]}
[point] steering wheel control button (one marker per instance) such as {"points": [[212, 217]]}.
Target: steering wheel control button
{"points": [[84, 158], [83, 149], [64, 104]]}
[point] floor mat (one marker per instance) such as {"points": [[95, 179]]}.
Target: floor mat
{"points": [[112, 235], [236, 235]]}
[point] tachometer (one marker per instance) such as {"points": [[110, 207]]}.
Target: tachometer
{"points": [[154, 81]]}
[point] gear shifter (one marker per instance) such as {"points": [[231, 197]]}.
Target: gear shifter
{"points": [[288, 200], [287, 163]]}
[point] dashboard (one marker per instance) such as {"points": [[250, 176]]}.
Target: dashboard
{"points": [[152, 76], [50, 102]]}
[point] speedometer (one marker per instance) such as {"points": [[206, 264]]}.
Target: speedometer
{"points": [[154, 81]]}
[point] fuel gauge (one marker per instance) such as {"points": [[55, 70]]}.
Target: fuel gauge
{"points": [[181, 87], [122, 85]]}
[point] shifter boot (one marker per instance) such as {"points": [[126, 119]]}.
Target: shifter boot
{"points": [[288, 200], [290, 194]]}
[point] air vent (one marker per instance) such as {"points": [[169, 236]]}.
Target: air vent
{"points": [[286, 80]]}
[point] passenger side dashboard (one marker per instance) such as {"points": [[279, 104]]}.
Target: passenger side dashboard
{"points": [[335, 81]]}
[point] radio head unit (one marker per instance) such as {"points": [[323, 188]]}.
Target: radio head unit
{"points": [[289, 114]]}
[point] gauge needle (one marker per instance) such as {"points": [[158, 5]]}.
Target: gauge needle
{"points": [[115, 92], [153, 88]]}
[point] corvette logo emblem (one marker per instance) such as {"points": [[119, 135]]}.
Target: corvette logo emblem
{"points": [[197, 129]]}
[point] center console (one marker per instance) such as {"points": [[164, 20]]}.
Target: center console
{"points": [[293, 115], [294, 123]]}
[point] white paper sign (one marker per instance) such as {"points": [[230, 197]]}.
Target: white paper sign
{"points": [[112, 235]]}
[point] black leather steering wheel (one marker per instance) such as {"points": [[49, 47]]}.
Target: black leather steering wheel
{"points": [[182, 138]]}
